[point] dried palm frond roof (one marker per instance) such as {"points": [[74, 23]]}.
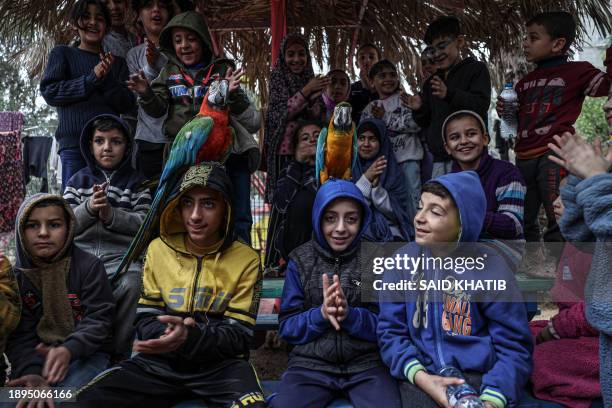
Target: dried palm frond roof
{"points": [[494, 29]]}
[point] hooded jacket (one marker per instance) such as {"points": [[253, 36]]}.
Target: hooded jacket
{"points": [[469, 87], [89, 294], [220, 290], [318, 346], [107, 240], [179, 90], [490, 337], [389, 217]]}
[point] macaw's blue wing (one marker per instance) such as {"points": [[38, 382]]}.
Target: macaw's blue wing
{"points": [[183, 155], [320, 157]]}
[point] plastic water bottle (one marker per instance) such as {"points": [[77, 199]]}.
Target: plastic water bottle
{"points": [[460, 396], [509, 119]]}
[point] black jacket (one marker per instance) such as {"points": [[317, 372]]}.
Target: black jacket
{"points": [[93, 310], [469, 87]]}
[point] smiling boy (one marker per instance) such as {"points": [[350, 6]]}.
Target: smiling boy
{"points": [[197, 310], [466, 140], [458, 83], [118, 40], [109, 209], [487, 339], [362, 91]]}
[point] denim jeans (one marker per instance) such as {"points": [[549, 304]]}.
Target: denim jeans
{"points": [[238, 171], [412, 173], [72, 161]]}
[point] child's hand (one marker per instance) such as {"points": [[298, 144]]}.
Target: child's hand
{"points": [[151, 52], [173, 338], [342, 306], [376, 169], [104, 66], [435, 386], [328, 308], [32, 381], [138, 83], [233, 77], [316, 85], [98, 199], [579, 157], [378, 110], [414, 102], [438, 87], [57, 362]]}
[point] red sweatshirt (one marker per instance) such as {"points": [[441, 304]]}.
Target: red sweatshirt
{"points": [[550, 100]]}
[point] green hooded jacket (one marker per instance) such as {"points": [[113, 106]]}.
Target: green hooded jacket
{"points": [[174, 91]]}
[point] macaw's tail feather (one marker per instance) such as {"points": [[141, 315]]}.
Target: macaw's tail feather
{"points": [[150, 184]]}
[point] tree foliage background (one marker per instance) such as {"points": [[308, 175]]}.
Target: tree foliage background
{"points": [[20, 93], [592, 122]]}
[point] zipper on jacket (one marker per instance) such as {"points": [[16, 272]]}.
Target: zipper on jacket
{"points": [[195, 285]]}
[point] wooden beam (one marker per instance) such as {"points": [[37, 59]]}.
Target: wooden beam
{"points": [[364, 5]]}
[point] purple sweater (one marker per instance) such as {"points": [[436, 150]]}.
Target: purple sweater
{"points": [[505, 191]]}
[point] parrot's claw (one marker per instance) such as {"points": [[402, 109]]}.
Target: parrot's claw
{"points": [[347, 174], [324, 176]]}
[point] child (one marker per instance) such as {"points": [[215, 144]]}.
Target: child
{"points": [[402, 130], [63, 338], [487, 339], [323, 315], [362, 91], [10, 308], [109, 209], [459, 83], [428, 64], [294, 93], [337, 91], [118, 40], [549, 101], [382, 183], [180, 89], [586, 218], [153, 15], [465, 140], [295, 193], [81, 82], [197, 311], [573, 381]]}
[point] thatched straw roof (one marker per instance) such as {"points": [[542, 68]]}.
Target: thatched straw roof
{"points": [[333, 26]]}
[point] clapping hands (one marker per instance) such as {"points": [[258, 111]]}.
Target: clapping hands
{"points": [[335, 306]]}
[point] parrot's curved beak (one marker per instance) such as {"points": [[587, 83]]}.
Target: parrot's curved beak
{"points": [[217, 94], [342, 116]]}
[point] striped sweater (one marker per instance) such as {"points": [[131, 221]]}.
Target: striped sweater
{"points": [[505, 191], [107, 240], [70, 85]]}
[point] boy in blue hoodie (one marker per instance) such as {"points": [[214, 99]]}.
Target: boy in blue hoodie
{"points": [[488, 341], [322, 313]]}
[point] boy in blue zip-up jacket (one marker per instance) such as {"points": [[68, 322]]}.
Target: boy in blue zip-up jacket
{"points": [[322, 313], [489, 340]]}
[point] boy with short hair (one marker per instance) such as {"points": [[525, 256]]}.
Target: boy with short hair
{"points": [[152, 16], [362, 91], [324, 316], [486, 338], [109, 209], [64, 336], [466, 139], [459, 83], [402, 130], [10, 308], [180, 89], [197, 311], [549, 102]]}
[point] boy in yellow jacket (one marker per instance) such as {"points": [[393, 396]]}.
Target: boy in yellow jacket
{"points": [[198, 307]]}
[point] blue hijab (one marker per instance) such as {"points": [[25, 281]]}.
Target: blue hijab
{"points": [[392, 180]]}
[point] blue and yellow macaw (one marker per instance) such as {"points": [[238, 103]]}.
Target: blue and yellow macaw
{"points": [[337, 146]]}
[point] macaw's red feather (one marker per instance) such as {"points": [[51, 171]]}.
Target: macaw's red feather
{"points": [[220, 138]]}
